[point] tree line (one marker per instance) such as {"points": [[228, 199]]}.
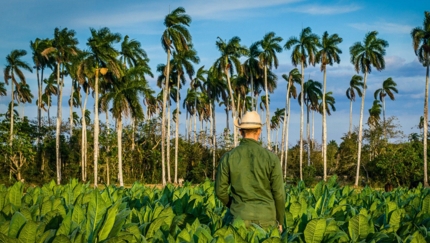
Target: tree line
{"points": [[117, 79]]}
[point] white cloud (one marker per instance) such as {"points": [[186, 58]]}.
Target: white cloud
{"points": [[326, 10], [383, 27]]}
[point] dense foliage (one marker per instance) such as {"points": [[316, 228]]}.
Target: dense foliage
{"points": [[75, 212]]}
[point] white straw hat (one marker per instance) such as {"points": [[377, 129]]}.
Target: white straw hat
{"points": [[250, 120]]}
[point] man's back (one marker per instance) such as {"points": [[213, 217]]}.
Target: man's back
{"points": [[257, 191]]}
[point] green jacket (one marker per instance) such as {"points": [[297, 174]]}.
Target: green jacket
{"points": [[255, 176]]}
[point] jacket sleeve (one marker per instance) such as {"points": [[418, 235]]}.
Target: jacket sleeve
{"points": [[222, 181], [278, 191]]}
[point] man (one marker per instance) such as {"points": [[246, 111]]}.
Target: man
{"points": [[254, 174]]}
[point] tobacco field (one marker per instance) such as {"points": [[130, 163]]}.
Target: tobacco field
{"points": [[77, 212]]}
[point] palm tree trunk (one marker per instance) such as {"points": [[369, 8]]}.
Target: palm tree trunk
{"points": [[324, 121], [383, 114], [57, 135], [269, 146], [71, 109], [425, 127], [252, 92], [360, 131], [163, 120], [213, 142], [107, 150], [177, 133], [96, 126], [168, 143], [286, 137], [11, 113], [284, 126], [350, 117], [84, 140], [233, 106], [119, 139], [133, 128], [308, 134], [302, 119], [39, 110]]}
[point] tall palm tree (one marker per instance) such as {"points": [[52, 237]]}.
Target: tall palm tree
{"points": [[40, 63], [363, 56], [182, 62], [103, 56], [275, 123], [252, 69], [3, 91], [327, 55], [304, 52], [293, 77], [13, 72], [310, 96], [355, 86], [388, 89], [50, 89], [230, 52], [421, 44], [22, 94], [132, 54], [270, 46], [62, 48], [375, 113], [125, 102], [175, 36], [215, 88]]}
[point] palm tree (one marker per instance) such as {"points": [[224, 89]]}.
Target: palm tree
{"points": [[50, 89], [363, 56], [329, 104], [180, 61], [275, 123], [177, 36], [230, 51], [3, 91], [310, 95], [252, 69], [293, 77], [13, 72], [62, 48], [216, 90], [327, 55], [270, 46], [388, 88], [40, 63], [304, 52], [375, 114], [132, 54], [23, 94], [421, 44], [124, 98], [103, 58], [355, 86]]}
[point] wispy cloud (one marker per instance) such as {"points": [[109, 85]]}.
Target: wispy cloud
{"points": [[145, 12], [383, 27], [316, 9]]}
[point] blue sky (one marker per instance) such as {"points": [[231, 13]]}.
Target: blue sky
{"points": [[25, 20]]}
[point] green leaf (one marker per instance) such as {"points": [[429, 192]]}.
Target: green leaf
{"points": [[184, 236], [28, 232], [66, 225], [426, 205], [154, 226], [417, 238], [78, 216], [17, 222], [96, 211], [314, 231], [119, 222], [358, 227], [15, 194], [109, 222], [61, 239]]}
